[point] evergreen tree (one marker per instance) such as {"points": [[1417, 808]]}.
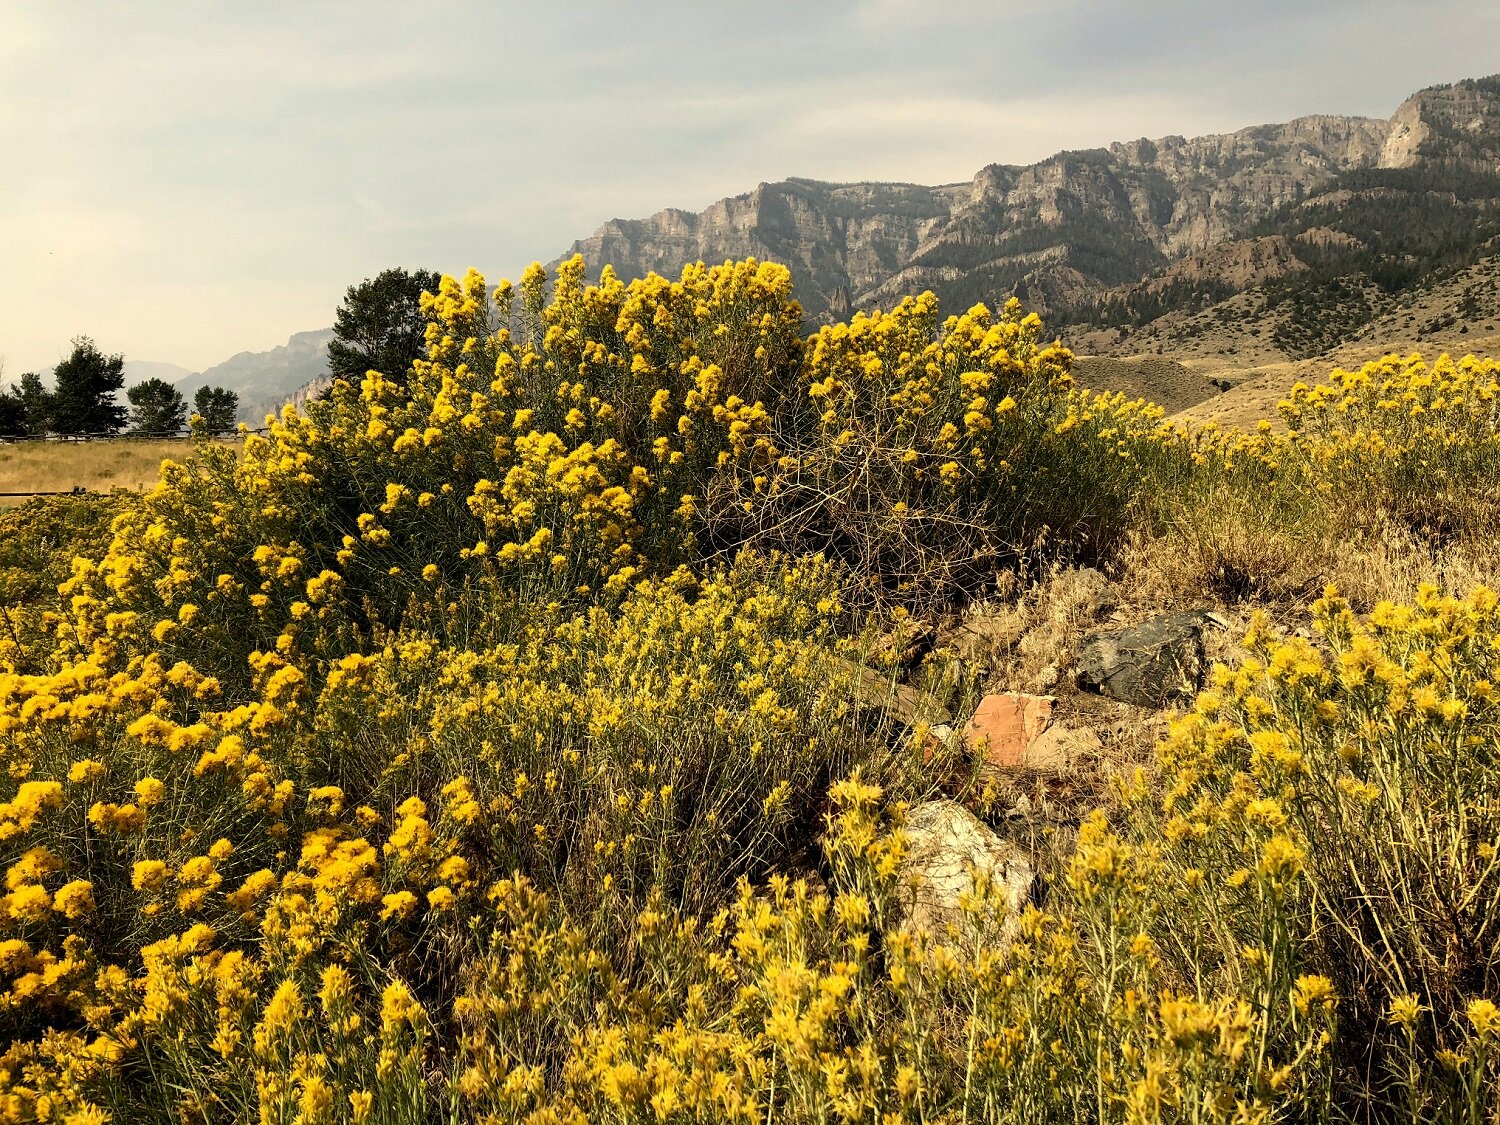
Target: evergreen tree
{"points": [[216, 408], [380, 326], [84, 386], [36, 403], [12, 413], [156, 407]]}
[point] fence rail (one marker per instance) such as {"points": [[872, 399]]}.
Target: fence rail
{"points": [[129, 435], [76, 490]]}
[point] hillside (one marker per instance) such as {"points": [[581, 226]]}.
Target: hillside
{"points": [[1231, 252], [1076, 227], [265, 380], [1056, 233]]}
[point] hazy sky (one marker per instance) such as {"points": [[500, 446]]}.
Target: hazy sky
{"points": [[183, 181]]}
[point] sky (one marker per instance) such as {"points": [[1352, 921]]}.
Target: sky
{"points": [[184, 181]]}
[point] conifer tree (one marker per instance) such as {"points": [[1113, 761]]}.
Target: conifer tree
{"points": [[216, 408], [156, 407], [83, 396], [380, 326]]}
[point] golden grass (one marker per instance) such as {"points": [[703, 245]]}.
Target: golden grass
{"points": [[58, 466]]}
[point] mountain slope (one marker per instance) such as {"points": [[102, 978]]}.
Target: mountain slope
{"points": [[1058, 231], [265, 380], [1290, 238]]}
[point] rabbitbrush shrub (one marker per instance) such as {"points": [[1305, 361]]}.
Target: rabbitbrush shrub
{"points": [[445, 755]]}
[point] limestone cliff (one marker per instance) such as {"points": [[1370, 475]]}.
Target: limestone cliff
{"points": [[1058, 232]]}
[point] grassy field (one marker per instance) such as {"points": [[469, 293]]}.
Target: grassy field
{"points": [[57, 466]]}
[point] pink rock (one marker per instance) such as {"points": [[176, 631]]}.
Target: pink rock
{"points": [[1004, 726]]}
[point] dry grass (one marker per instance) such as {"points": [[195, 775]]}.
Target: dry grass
{"points": [[58, 466], [1230, 554], [1226, 551]]}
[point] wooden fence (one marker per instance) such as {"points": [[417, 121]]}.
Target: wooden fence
{"points": [[123, 435]]}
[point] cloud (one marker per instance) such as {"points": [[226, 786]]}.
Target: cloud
{"points": [[187, 180]]}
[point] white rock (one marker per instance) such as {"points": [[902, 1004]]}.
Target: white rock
{"points": [[947, 847]]}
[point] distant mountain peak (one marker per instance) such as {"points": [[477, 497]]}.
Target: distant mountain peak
{"points": [[265, 380], [1067, 229]]}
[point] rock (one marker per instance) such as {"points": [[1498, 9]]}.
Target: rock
{"points": [[906, 705], [1059, 748], [1150, 664], [977, 639], [1004, 726], [947, 846], [1015, 730], [1047, 678]]}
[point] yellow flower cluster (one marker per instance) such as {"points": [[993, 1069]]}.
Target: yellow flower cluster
{"points": [[1397, 436], [206, 867], [1316, 781], [403, 763], [937, 449]]}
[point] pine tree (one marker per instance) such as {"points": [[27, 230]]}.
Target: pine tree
{"points": [[83, 398], [156, 407], [215, 408], [12, 413], [380, 326], [36, 404]]}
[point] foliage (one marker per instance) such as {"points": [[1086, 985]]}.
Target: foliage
{"points": [[38, 542], [35, 404], [617, 760], [12, 413], [930, 453], [1332, 811], [1398, 449], [40, 538], [379, 326], [25, 408], [1141, 304], [84, 386], [156, 407], [1416, 441], [445, 753], [217, 408]]}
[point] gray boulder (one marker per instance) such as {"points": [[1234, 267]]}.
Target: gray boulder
{"points": [[1152, 664]]}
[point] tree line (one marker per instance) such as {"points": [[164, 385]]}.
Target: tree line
{"points": [[379, 326], [82, 400]]}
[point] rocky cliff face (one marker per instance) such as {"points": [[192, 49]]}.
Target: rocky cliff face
{"points": [[266, 380], [1057, 232], [840, 239], [1458, 123]]}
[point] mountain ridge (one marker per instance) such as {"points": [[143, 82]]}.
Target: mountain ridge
{"points": [[1268, 243], [265, 380], [1068, 230]]}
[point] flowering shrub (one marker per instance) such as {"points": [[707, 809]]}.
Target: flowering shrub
{"points": [[1419, 442], [446, 753], [38, 541], [1397, 458], [932, 452], [1333, 809]]}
